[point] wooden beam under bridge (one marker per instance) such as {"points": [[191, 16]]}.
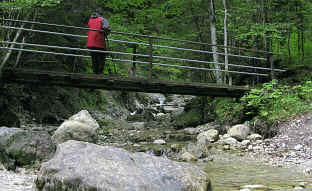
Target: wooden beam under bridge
{"points": [[93, 81]]}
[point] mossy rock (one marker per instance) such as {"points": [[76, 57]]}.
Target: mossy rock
{"points": [[198, 111], [21, 147]]}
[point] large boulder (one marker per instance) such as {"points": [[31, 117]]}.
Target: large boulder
{"points": [[21, 147], [80, 127], [239, 132], [78, 166]]}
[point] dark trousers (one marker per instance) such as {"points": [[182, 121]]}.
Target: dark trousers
{"points": [[98, 60]]}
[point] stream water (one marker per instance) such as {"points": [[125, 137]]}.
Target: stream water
{"points": [[230, 173]]}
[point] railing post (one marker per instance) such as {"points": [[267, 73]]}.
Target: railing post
{"points": [[151, 58], [134, 59], [271, 61]]}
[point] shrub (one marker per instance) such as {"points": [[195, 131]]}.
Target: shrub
{"points": [[229, 111], [275, 102]]}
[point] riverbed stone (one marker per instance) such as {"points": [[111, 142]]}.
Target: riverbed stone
{"points": [[255, 187], [81, 127], [228, 141], [188, 157], [85, 117], [198, 150], [138, 125], [254, 137], [160, 142], [209, 136], [245, 143], [239, 132], [84, 166], [22, 147]]}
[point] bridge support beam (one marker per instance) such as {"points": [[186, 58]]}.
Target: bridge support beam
{"points": [[93, 81]]}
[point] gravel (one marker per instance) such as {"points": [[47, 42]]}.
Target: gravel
{"points": [[22, 180], [291, 147]]}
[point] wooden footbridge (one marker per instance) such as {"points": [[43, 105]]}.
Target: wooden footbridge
{"points": [[134, 82]]}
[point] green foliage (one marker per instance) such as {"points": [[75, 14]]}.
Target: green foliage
{"points": [[188, 119], [93, 99], [229, 111], [199, 111], [27, 4], [276, 102]]}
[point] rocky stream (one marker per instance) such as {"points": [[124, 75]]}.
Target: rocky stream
{"points": [[238, 160]]}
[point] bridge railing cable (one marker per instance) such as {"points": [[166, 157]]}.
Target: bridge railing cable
{"points": [[130, 42], [141, 55], [139, 62]]}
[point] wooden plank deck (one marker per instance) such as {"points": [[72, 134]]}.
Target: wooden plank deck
{"points": [[93, 81]]}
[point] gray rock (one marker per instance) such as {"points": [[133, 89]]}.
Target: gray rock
{"points": [[228, 141], [138, 125], [239, 132], [85, 166], [188, 157], [298, 147], [156, 98], [256, 186], [173, 109], [245, 143], [254, 137], [191, 131], [160, 142], [209, 136], [20, 147], [198, 150], [85, 117], [81, 127]]}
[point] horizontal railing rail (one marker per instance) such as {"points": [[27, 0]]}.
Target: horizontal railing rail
{"points": [[136, 43], [141, 55], [140, 62]]}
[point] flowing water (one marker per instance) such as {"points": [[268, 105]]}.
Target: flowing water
{"points": [[229, 173]]}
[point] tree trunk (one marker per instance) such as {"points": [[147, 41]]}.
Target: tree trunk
{"points": [[19, 54], [8, 54], [226, 57], [213, 32]]}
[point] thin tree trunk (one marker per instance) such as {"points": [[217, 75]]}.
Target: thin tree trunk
{"points": [[226, 57], [19, 54], [265, 40], [8, 54], [288, 44], [213, 32], [302, 44]]}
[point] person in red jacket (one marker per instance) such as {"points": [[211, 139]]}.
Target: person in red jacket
{"points": [[96, 41]]}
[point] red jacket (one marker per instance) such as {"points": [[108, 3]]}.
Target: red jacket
{"points": [[95, 38]]}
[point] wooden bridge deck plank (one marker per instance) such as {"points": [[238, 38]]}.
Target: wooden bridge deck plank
{"points": [[118, 83]]}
